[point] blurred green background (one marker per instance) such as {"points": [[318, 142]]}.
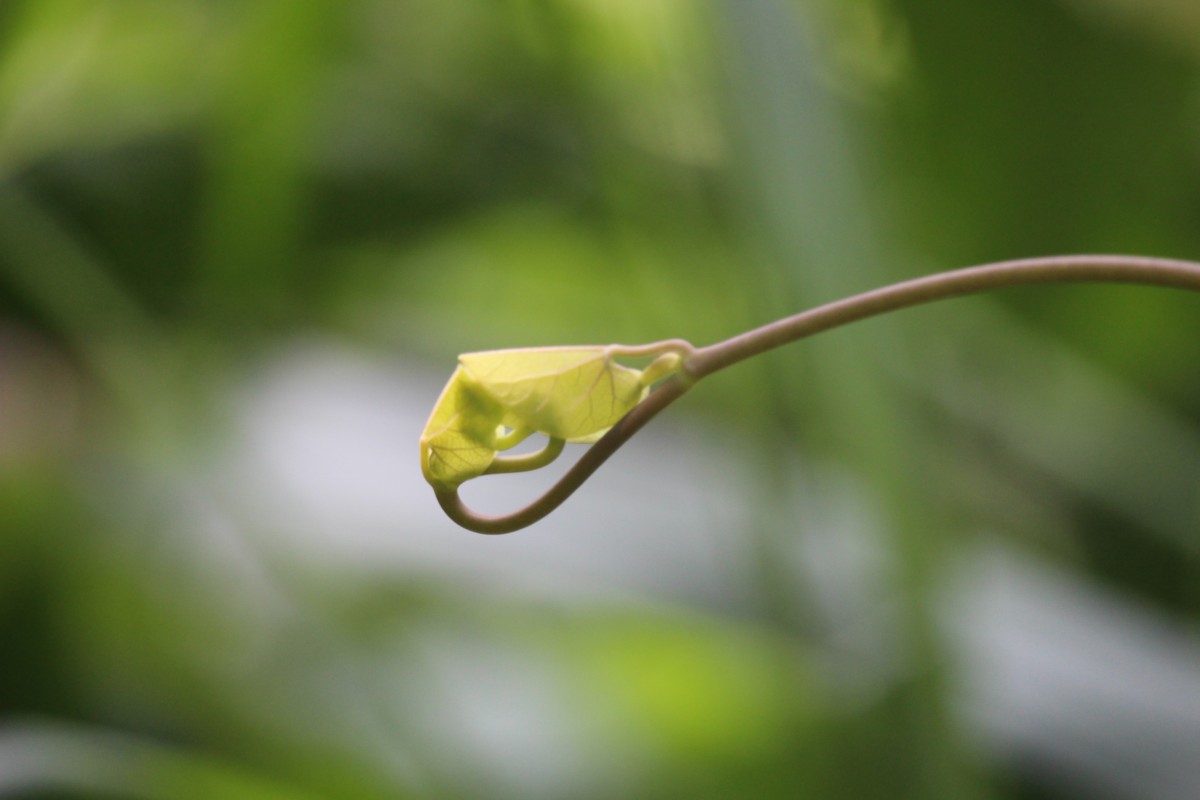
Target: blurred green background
{"points": [[953, 553]]}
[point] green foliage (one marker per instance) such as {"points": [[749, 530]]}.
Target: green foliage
{"points": [[496, 399]]}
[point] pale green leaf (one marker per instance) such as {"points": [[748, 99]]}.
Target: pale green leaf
{"points": [[497, 398], [574, 393], [459, 442]]}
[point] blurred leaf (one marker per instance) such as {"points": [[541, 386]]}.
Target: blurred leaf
{"points": [[93, 762], [82, 74], [1175, 22]]}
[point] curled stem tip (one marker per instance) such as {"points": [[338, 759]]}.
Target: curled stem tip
{"points": [[678, 365]]}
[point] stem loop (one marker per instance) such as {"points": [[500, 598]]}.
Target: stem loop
{"points": [[701, 362]]}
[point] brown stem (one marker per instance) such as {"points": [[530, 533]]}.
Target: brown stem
{"points": [[670, 390], [942, 286], [707, 360]]}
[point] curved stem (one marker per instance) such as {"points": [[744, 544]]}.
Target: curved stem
{"points": [[941, 286], [670, 391], [524, 463], [704, 361]]}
